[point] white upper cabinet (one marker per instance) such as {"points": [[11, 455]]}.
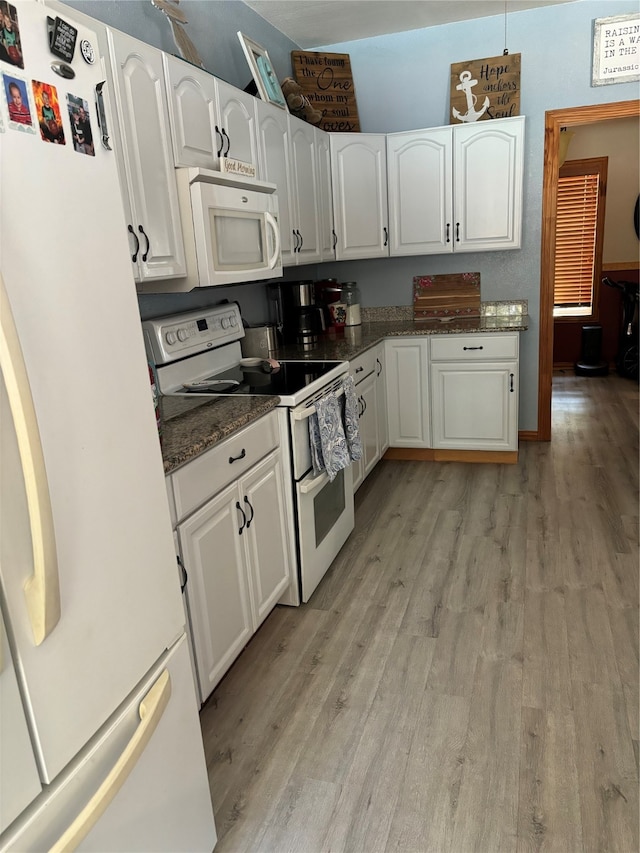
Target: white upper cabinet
{"points": [[192, 111], [487, 188], [325, 223], [359, 182], [274, 137], [146, 160], [290, 158], [419, 166], [210, 119], [236, 125], [456, 188], [304, 160]]}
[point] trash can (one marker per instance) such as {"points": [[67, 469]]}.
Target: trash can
{"points": [[591, 363]]}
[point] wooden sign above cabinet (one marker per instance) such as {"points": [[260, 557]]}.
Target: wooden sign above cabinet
{"points": [[325, 79], [483, 89]]}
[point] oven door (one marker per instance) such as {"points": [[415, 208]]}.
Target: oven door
{"points": [[325, 520]]}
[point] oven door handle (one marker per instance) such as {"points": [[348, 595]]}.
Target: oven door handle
{"points": [[312, 485], [302, 414]]}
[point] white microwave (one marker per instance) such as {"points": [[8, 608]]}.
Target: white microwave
{"points": [[230, 228]]}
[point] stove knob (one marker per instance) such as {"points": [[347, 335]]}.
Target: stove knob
{"points": [[225, 322], [183, 334], [233, 320], [170, 337]]}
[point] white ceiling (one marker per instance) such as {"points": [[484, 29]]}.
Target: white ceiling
{"points": [[311, 23]]}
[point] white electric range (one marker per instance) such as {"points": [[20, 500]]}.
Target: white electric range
{"points": [[199, 353]]}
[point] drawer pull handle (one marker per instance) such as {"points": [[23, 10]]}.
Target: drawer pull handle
{"points": [[244, 518], [511, 382], [359, 369], [246, 500], [469, 348], [233, 459]]}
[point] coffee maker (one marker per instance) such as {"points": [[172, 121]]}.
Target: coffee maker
{"points": [[294, 312]]}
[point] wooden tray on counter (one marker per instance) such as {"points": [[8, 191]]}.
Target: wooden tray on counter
{"points": [[445, 297]]}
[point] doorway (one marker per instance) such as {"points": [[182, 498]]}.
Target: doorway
{"points": [[554, 120]]}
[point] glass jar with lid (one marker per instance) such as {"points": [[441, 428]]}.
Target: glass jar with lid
{"points": [[350, 295]]}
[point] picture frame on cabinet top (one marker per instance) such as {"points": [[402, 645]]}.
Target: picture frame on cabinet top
{"points": [[262, 71]]}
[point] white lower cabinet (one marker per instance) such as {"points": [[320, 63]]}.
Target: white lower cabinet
{"points": [[235, 550], [407, 371], [474, 392], [381, 398], [363, 371]]}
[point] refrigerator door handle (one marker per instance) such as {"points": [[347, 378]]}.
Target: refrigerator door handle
{"points": [[42, 589], [150, 711]]}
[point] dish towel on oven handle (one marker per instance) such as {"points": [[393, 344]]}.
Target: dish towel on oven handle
{"points": [[329, 450], [351, 419], [334, 431]]}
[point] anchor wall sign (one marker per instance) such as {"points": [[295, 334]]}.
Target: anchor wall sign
{"points": [[484, 89]]}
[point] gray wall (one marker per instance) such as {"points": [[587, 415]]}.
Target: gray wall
{"points": [[402, 83]]}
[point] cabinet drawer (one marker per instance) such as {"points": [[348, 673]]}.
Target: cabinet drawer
{"points": [[363, 365], [473, 347], [208, 474]]}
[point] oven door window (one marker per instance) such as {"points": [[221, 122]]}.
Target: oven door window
{"points": [[238, 240], [328, 506]]}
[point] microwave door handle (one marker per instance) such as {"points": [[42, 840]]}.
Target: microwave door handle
{"points": [[270, 220]]}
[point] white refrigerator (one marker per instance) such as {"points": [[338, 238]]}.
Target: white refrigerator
{"points": [[100, 744]]}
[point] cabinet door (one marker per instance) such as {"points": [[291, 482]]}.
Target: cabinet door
{"points": [[148, 158], [276, 168], [359, 182], [303, 148], [237, 123], [325, 200], [192, 113], [381, 398], [266, 535], [219, 604], [419, 167], [488, 171], [367, 393], [474, 406], [407, 392]]}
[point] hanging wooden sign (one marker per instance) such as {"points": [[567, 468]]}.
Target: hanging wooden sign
{"points": [[325, 79], [483, 89]]}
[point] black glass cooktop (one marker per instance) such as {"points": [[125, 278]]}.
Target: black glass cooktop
{"points": [[289, 378]]}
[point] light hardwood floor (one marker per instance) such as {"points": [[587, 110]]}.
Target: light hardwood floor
{"points": [[465, 678]]}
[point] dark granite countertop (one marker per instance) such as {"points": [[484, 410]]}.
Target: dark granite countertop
{"points": [[192, 425], [347, 343]]}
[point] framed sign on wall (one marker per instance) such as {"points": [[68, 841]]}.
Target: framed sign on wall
{"points": [[616, 54], [326, 80], [484, 89]]}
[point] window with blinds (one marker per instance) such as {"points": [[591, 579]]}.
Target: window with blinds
{"points": [[579, 228]]}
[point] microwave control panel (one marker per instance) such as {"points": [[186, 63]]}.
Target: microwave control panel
{"points": [[179, 335]]}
